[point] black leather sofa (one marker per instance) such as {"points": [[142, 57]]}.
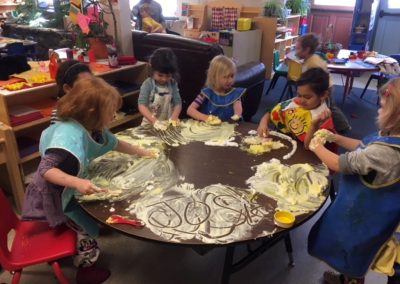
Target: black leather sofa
{"points": [[193, 60]]}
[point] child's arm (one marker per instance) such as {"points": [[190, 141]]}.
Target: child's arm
{"points": [[145, 111], [237, 110], [144, 101], [158, 29], [176, 102], [193, 112], [262, 129], [49, 170], [315, 125], [176, 111], [58, 177], [349, 144], [127, 148], [330, 159]]}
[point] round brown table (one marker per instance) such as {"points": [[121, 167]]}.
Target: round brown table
{"points": [[204, 165], [350, 68]]}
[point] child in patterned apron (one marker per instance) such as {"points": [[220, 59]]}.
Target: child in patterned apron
{"points": [[159, 99], [218, 101], [67, 147], [355, 232], [304, 115]]}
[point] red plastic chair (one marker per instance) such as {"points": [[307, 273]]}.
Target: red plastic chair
{"points": [[34, 243]]}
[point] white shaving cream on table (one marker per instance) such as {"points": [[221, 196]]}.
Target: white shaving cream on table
{"points": [[214, 214], [299, 188], [287, 138]]}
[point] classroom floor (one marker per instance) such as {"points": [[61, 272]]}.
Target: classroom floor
{"points": [[140, 262]]}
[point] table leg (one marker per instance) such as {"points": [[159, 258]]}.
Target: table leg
{"points": [[289, 249], [346, 86], [226, 274], [351, 82]]}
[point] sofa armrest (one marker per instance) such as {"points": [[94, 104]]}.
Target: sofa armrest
{"points": [[252, 77]]}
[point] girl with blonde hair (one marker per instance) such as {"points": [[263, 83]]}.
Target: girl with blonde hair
{"points": [[356, 231], [218, 100]]}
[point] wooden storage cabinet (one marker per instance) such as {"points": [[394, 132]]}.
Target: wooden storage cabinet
{"points": [[198, 14], [18, 135], [331, 26], [269, 43]]}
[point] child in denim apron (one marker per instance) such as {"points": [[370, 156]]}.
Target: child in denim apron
{"points": [[159, 99]]}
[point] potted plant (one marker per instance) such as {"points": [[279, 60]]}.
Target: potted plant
{"points": [[297, 6], [94, 35], [274, 8]]}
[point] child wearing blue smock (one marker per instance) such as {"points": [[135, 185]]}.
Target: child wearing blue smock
{"points": [[355, 232], [218, 101], [67, 147]]}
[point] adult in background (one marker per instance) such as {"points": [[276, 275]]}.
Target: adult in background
{"points": [[154, 9]]}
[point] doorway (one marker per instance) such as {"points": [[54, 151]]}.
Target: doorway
{"points": [[387, 26]]}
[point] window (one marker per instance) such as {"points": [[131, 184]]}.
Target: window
{"points": [[169, 7], [46, 5], [335, 3], [393, 4]]}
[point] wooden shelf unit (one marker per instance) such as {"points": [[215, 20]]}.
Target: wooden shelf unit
{"points": [[269, 43], [6, 7], [132, 74], [199, 15]]}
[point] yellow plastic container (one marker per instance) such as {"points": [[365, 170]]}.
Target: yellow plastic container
{"points": [[244, 24], [284, 219]]}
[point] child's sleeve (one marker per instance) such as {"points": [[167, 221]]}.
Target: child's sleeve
{"points": [[200, 99], [54, 157], [176, 97], [378, 158], [144, 95], [328, 125], [277, 118]]}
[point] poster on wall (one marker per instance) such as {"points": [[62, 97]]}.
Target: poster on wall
{"points": [[372, 24]]}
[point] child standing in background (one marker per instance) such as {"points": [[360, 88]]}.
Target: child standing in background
{"points": [[219, 100], [68, 72], [305, 114], [354, 233], [159, 98], [67, 147], [148, 23], [305, 49]]}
